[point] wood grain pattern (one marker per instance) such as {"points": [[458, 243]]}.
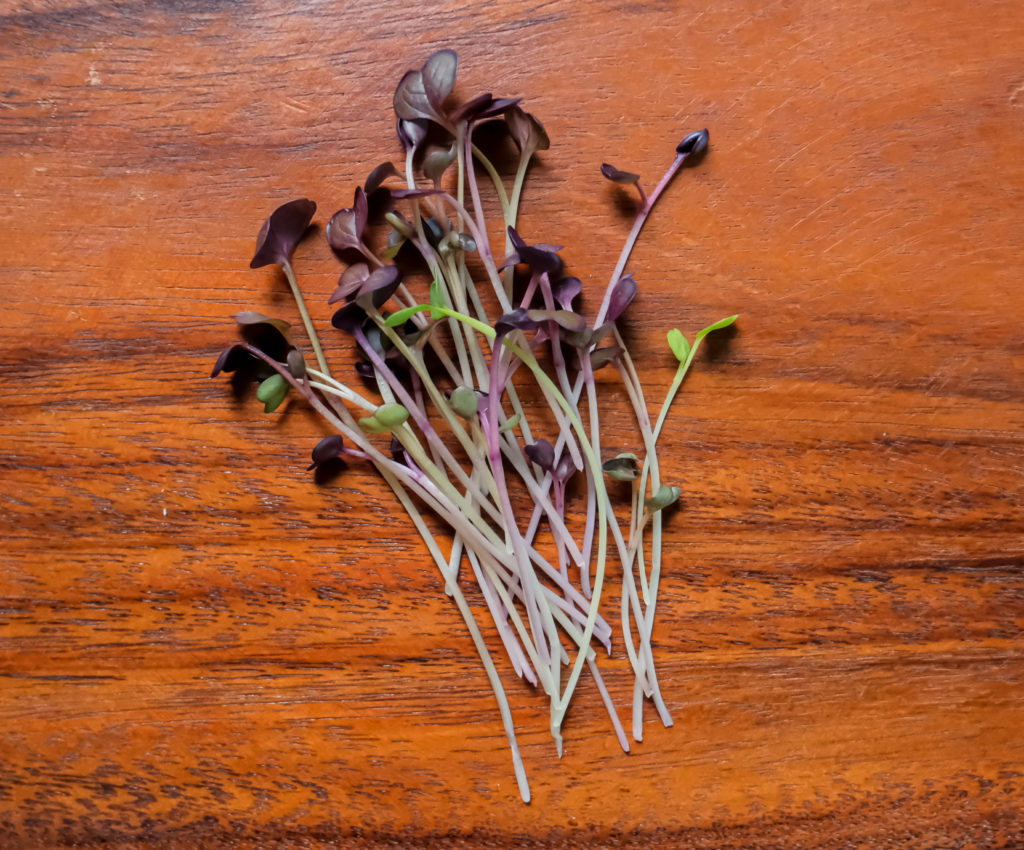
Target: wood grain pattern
{"points": [[202, 647]]}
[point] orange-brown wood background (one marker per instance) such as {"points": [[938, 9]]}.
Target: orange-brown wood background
{"points": [[201, 646]]}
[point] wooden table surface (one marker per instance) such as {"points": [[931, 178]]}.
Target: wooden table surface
{"points": [[202, 646]]}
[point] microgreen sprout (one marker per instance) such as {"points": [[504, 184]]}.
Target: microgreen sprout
{"points": [[435, 402]]}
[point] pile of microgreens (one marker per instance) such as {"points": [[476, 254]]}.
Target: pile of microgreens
{"points": [[437, 379]]}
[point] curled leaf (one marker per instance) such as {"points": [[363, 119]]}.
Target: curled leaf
{"points": [[482, 106], [662, 499], [376, 178], [437, 162], [542, 259], [281, 232], [541, 453], [327, 449], [350, 317], [380, 285], [626, 178], [251, 317], [527, 132], [601, 357], [623, 467], [350, 282], [231, 359], [398, 452], [565, 291], [622, 296], [345, 229], [411, 133], [271, 336], [694, 144], [565, 467]]}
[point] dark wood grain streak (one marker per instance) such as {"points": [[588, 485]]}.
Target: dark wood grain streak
{"points": [[201, 645]]}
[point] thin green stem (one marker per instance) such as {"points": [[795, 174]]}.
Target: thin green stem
{"points": [[300, 302]]}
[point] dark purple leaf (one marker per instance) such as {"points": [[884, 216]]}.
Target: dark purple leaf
{"points": [[349, 318], [498, 106], [565, 467], [541, 259], [382, 283], [694, 144], [411, 133], [511, 260], [411, 102], [371, 341], [622, 295], [361, 210], [438, 77], [483, 106], [565, 291], [541, 453], [527, 132], [281, 232], [625, 177], [327, 449], [249, 317], [345, 229], [518, 318], [231, 359], [377, 177], [350, 282], [398, 453], [271, 336], [433, 231], [468, 110], [364, 368]]}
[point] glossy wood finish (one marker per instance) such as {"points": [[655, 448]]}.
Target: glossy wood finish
{"points": [[201, 646]]}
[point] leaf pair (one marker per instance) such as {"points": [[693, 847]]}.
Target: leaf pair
{"points": [[385, 418], [421, 94], [281, 232], [542, 453], [272, 392]]}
